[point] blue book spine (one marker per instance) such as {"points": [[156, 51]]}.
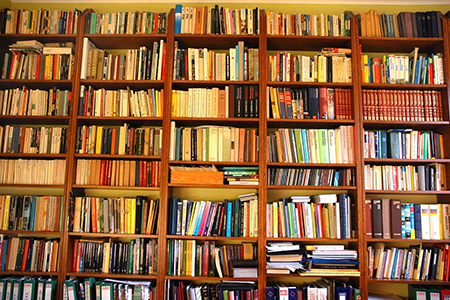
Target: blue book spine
{"points": [[343, 214], [229, 212], [286, 220], [413, 220], [313, 100], [418, 221], [383, 143], [199, 219], [178, 9], [5, 247], [33, 213], [336, 179], [305, 146], [394, 269], [403, 221], [237, 63], [377, 144], [270, 293]]}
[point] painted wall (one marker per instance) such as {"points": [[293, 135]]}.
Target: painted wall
{"points": [[284, 8]]}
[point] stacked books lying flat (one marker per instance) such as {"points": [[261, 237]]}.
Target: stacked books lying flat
{"points": [[392, 219], [327, 216], [230, 218], [241, 175], [189, 258], [107, 289], [417, 262], [138, 256], [332, 260], [28, 288], [325, 288], [175, 289], [311, 260], [285, 258]]}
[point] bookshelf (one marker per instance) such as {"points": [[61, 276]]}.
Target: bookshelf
{"points": [[264, 125]]}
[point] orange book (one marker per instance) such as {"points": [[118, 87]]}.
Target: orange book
{"points": [[133, 172], [126, 173], [57, 213], [54, 256], [241, 144], [25, 253], [113, 173], [113, 141], [198, 20]]}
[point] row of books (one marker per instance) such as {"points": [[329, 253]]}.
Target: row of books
{"points": [[325, 288], [403, 144], [309, 103], [42, 140], [143, 64], [138, 256], [405, 178], [403, 24], [118, 172], [29, 102], [402, 105], [239, 63], [308, 25], [215, 20], [327, 216], [120, 103], [435, 292], [245, 290], [114, 215], [27, 287], [119, 140], [94, 288], [213, 143], [398, 69], [126, 23], [188, 258], [29, 254], [290, 67], [414, 263], [34, 66], [312, 145], [26, 171], [230, 218], [39, 21], [30, 213], [311, 177], [234, 101], [392, 218]]}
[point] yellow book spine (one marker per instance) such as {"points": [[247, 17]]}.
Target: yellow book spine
{"points": [[313, 219], [275, 219], [133, 215], [98, 142], [282, 216], [174, 103], [122, 215], [6, 213]]}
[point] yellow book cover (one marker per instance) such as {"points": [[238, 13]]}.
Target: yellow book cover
{"points": [[121, 215], [275, 219], [191, 221], [313, 220], [133, 215], [282, 218], [274, 101], [76, 216], [6, 212], [98, 142], [174, 103], [106, 256]]}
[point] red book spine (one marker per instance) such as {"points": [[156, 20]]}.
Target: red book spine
{"points": [[323, 107], [94, 214], [144, 173], [141, 172], [75, 255], [25, 253], [102, 172], [163, 76]]}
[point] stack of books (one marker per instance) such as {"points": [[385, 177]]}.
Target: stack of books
{"points": [[285, 257], [330, 260], [241, 175], [245, 268]]}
